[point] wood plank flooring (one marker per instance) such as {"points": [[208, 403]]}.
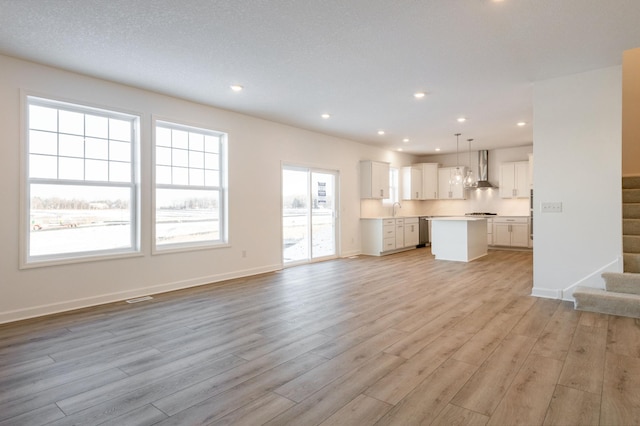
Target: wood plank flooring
{"points": [[397, 340]]}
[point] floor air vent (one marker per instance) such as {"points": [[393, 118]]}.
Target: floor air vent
{"points": [[139, 299]]}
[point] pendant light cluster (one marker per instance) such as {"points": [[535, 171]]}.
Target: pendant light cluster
{"points": [[468, 181]]}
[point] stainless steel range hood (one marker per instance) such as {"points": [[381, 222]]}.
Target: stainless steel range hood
{"points": [[483, 170]]}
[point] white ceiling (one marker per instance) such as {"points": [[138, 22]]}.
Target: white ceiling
{"points": [[359, 60]]}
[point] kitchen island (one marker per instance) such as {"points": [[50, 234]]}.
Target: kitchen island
{"points": [[461, 239]]}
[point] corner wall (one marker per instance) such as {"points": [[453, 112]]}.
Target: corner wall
{"points": [[631, 113], [257, 149], [577, 151]]}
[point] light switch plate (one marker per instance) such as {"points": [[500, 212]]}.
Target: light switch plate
{"points": [[551, 207]]}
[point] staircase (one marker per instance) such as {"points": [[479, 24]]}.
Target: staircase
{"points": [[622, 290]]}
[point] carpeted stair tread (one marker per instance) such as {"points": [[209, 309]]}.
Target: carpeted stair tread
{"points": [[631, 262], [622, 282], [631, 195], [631, 226], [631, 210], [631, 182], [607, 302]]}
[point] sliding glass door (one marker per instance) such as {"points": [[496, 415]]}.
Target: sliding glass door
{"points": [[309, 206]]}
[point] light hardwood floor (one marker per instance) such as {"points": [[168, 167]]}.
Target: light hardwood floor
{"points": [[401, 340]]}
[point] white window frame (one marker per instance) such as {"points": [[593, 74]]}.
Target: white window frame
{"points": [[28, 261], [222, 188]]}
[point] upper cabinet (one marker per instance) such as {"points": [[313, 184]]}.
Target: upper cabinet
{"points": [[448, 190], [420, 182], [374, 179], [514, 180], [531, 171], [411, 183], [429, 180]]}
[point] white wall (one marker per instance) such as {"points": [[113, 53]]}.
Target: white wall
{"points": [[257, 148], [577, 153]]}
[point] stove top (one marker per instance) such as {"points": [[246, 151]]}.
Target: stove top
{"points": [[480, 214]]}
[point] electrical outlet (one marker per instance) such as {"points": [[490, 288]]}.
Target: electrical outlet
{"points": [[555, 207]]}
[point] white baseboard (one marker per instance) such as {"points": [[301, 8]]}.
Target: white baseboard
{"points": [[55, 308], [593, 280], [350, 253], [546, 293]]}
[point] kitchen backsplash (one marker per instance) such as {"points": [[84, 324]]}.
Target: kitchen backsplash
{"points": [[478, 201]]}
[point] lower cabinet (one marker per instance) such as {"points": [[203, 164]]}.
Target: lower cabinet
{"points": [[511, 232], [411, 232], [382, 236]]}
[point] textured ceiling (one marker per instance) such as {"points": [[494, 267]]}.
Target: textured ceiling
{"points": [[359, 60]]}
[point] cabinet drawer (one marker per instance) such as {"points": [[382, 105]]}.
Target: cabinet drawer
{"points": [[389, 244], [399, 222], [511, 220], [389, 231], [388, 222], [410, 220]]}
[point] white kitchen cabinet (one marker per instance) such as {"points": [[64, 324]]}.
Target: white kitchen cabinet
{"points": [[411, 232], [514, 180], [448, 190], [383, 236], [374, 179], [429, 180], [489, 231], [530, 171], [411, 183], [511, 231], [399, 233]]}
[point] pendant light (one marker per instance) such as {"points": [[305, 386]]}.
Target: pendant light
{"points": [[457, 177], [469, 180]]}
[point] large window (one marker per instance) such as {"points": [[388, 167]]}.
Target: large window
{"points": [[189, 177], [81, 185]]}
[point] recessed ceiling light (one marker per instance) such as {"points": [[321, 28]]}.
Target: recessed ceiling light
{"points": [[325, 116], [405, 140], [381, 132], [437, 149], [236, 87], [462, 120], [400, 149], [522, 123], [419, 95]]}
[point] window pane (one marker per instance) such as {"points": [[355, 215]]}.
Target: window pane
{"points": [[211, 178], [163, 156], [75, 219], [196, 159], [97, 127], [163, 136], [187, 216], [71, 168], [120, 130], [196, 141], [180, 139], [43, 142], [119, 172], [43, 166], [211, 144], [211, 161], [163, 175], [119, 151], [97, 170], [71, 122], [43, 118], [97, 148], [196, 177], [71, 146], [180, 176], [180, 158]]}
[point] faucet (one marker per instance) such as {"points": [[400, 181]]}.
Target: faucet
{"points": [[393, 208]]}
